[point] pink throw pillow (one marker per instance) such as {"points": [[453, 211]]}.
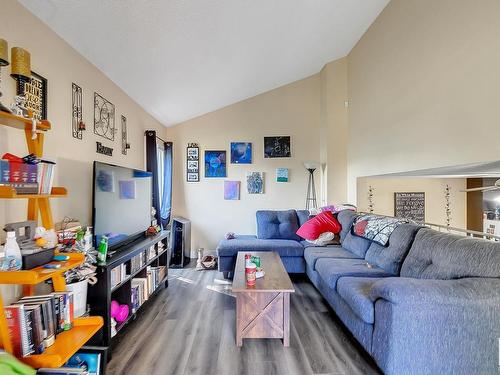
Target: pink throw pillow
{"points": [[321, 223]]}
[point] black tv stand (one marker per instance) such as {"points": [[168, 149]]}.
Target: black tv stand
{"points": [[109, 287]]}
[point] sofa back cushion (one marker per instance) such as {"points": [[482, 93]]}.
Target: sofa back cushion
{"points": [[391, 256], [345, 218], [303, 216], [444, 256], [277, 225]]}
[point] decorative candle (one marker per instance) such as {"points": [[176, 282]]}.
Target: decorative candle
{"points": [[21, 63], [4, 53]]}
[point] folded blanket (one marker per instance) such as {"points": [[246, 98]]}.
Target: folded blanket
{"points": [[9, 365], [377, 228]]}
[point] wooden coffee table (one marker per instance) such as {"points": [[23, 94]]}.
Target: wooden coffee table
{"points": [[263, 311]]}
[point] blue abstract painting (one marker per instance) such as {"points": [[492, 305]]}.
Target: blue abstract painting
{"points": [[232, 190], [255, 182], [241, 153], [215, 164]]}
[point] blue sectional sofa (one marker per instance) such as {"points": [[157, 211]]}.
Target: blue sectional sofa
{"points": [[275, 232], [427, 303]]}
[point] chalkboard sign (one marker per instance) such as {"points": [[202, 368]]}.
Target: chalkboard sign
{"points": [[410, 206]]}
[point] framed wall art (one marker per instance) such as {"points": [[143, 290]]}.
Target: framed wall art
{"points": [[215, 163], [76, 111], [35, 91], [193, 163], [104, 117], [277, 147], [255, 182], [241, 153]]}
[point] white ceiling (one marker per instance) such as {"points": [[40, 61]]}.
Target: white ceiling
{"points": [[182, 58]]}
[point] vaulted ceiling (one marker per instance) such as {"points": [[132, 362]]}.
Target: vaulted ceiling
{"points": [[182, 58]]}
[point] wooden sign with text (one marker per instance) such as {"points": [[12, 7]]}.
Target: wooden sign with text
{"points": [[410, 206]]}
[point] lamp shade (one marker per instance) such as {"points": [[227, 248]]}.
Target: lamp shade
{"points": [[4, 53], [21, 63], [311, 165]]}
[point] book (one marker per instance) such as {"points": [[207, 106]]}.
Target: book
{"points": [[4, 172], [35, 312], [45, 176], [15, 172], [66, 306], [47, 305], [29, 330], [16, 324]]}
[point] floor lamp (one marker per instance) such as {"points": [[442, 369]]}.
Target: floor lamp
{"points": [[311, 188]]}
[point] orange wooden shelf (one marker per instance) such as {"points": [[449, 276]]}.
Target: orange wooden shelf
{"points": [[40, 274], [8, 192], [8, 119], [67, 343]]}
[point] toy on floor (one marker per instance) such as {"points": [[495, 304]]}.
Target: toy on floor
{"points": [[119, 312]]}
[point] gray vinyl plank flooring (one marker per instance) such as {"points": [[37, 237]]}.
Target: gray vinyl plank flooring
{"points": [[189, 329]]}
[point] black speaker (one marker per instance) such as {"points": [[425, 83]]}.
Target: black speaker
{"points": [[180, 242]]}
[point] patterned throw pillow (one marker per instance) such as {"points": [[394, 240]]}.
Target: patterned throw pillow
{"points": [[376, 228]]}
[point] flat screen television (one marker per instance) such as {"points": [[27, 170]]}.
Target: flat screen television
{"points": [[122, 204]]}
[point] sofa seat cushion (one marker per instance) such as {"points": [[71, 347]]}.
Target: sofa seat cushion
{"points": [[332, 269], [444, 256], [313, 253], [284, 248], [355, 291], [277, 225]]}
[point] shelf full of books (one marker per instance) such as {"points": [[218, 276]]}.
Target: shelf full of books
{"points": [[43, 330], [143, 287], [127, 284], [28, 179], [125, 271]]}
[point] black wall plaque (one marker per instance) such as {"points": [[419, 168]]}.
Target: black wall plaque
{"points": [[100, 149], [410, 206]]}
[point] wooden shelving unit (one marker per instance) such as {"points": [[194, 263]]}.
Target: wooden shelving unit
{"points": [[36, 203], [8, 119], [39, 274], [69, 342], [101, 294], [7, 192]]}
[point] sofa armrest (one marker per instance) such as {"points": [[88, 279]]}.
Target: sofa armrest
{"points": [[399, 290], [436, 326]]}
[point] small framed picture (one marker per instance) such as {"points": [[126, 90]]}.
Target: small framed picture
{"points": [[193, 153], [193, 162], [193, 166], [193, 177]]}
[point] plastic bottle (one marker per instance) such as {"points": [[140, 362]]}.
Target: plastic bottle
{"points": [[102, 250], [87, 239], [13, 259]]}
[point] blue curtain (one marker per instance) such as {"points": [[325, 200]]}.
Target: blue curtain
{"points": [[152, 166], [166, 199], [159, 162]]}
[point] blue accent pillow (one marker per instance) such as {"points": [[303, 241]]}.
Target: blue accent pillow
{"points": [[277, 225]]}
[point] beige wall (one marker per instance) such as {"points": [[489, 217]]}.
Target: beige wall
{"points": [[334, 130], [434, 189], [423, 88], [290, 110], [61, 65]]}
